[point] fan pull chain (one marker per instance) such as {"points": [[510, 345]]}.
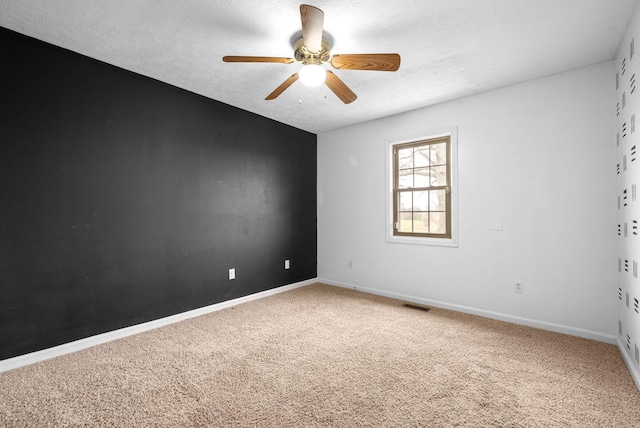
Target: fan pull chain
{"points": [[300, 92]]}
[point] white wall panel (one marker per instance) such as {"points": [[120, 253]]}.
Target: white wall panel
{"points": [[536, 156], [627, 171]]}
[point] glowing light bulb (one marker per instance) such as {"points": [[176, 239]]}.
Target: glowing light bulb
{"points": [[312, 75]]}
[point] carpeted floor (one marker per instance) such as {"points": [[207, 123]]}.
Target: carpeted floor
{"points": [[326, 356]]}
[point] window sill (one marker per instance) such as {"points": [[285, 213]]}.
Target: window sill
{"points": [[435, 242]]}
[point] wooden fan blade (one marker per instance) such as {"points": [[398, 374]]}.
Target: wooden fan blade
{"points": [[340, 88], [312, 21], [280, 89], [376, 62], [258, 59]]}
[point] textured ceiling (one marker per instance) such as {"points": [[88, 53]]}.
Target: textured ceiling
{"points": [[449, 48]]}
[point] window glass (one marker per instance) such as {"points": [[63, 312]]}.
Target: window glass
{"points": [[422, 188]]}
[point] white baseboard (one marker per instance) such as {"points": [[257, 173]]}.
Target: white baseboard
{"points": [[635, 374], [67, 348], [543, 325]]}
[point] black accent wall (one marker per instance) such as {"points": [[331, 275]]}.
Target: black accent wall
{"points": [[124, 199]]}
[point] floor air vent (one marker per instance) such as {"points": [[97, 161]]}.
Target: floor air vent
{"points": [[420, 308]]}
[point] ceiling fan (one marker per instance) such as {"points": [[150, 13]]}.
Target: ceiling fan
{"points": [[311, 50]]}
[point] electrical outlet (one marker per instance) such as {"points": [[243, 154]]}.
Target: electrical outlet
{"points": [[287, 264], [350, 264], [518, 287], [232, 273]]}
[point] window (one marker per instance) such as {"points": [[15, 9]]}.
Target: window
{"points": [[422, 197]]}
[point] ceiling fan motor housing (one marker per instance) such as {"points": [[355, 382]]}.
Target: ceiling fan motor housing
{"points": [[306, 57]]}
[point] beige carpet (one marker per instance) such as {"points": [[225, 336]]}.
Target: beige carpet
{"points": [[325, 356]]}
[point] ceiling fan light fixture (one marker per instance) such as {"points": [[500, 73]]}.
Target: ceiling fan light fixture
{"points": [[312, 75]]}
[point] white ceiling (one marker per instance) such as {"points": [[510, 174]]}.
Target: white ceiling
{"points": [[449, 48]]}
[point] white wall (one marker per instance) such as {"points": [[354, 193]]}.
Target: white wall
{"points": [[537, 156], [625, 139]]}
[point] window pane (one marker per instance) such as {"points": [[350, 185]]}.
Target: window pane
{"points": [[422, 165], [421, 222], [421, 177], [437, 200], [438, 154], [421, 201], [405, 223], [421, 156], [438, 222], [439, 176], [406, 202], [405, 178], [405, 158]]}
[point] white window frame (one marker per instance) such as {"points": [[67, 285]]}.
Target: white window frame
{"points": [[419, 240]]}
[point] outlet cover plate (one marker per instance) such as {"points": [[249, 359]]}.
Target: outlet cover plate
{"points": [[518, 287]]}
